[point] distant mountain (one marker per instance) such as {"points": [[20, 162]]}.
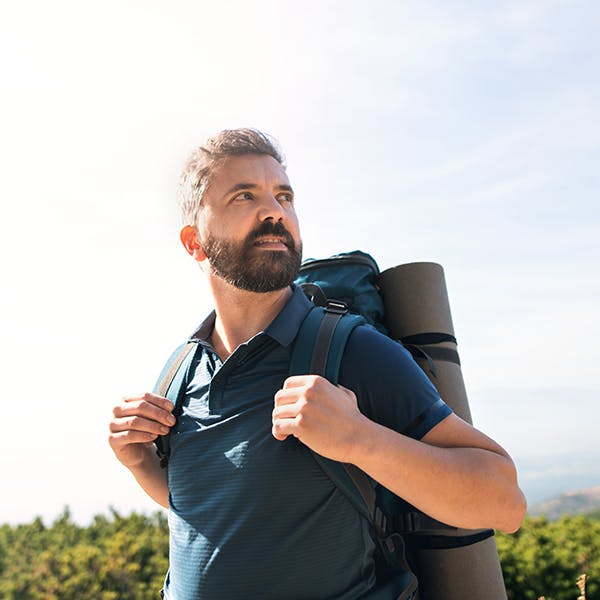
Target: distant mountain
{"points": [[545, 477], [573, 503]]}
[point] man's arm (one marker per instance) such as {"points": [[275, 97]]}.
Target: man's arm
{"points": [[455, 474], [137, 421]]}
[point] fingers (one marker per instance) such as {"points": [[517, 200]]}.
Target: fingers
{"points": [[316, 412], [289, 410], [298, 386], [283, 428], [296, 381], [288, 403], [150, 400], [120, 439], [291, 401], [140, 420], [148, 406], [137, 423]]}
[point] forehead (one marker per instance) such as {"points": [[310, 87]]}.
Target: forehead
{"points": [[260, 170]]}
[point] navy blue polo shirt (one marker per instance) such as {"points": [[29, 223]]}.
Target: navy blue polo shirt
{"points": [[254, 518]]}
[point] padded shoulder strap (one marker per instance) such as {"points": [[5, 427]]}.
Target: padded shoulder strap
{"points": [[318, 350], [170, 385], [166, 379], [321, 341]]}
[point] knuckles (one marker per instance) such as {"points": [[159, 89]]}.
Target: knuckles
{"points": [[134, 422], [315, 386]]}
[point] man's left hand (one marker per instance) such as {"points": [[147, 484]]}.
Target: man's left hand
{"points": [[321, 415]]}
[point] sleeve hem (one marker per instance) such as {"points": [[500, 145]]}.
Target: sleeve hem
{"points": [[427, 420]]}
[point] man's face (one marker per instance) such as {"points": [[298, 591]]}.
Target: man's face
{"points": [[249, 229]]}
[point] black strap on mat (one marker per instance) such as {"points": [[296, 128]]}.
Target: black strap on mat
{"points": [[423, 346], [432, 337], [447, 542]]}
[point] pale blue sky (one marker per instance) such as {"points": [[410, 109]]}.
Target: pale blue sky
{"points": [[464, 133]]}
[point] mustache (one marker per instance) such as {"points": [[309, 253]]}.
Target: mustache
{"points": [[270, 228]]}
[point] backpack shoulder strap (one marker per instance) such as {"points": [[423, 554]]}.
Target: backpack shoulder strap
{"points": [[321, 341], [318, 350], [170, 384], [166, 379]]}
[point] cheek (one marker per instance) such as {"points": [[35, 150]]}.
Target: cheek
{"points": [[293, 224]]}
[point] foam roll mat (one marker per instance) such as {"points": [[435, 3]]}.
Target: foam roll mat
{"points": [[417, 306], [450, 565], [469, 573]]}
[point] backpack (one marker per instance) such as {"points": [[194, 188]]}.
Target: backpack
{"points": [[406, 538], [447, 562]]}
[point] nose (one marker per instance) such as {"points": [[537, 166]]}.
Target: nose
{"points": [[270, 209]]}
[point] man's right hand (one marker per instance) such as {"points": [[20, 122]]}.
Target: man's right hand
{"points": [[137, 421]]}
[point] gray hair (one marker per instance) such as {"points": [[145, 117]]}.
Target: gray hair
{"points": [[201, 163]]}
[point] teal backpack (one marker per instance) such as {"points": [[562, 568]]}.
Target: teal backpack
{"points": [[346, 295]]}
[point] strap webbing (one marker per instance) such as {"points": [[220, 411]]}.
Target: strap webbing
{"points": [[318, 350], [305, 342], [416, 522], [166, 378], [423, 346], [318, 362], [446, 542], [431, 337], [170, 385], [441, 353]]}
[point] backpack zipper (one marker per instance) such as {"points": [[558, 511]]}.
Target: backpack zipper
{"points": [[357, 259]]}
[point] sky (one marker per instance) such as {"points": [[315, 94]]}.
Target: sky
{"points": [[463, 133]]}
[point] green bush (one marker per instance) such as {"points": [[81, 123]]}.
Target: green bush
{"points": [[126, 558], [114, 558], [545, 558]]}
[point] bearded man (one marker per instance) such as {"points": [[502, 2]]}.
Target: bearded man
{"points": [[251, 514]]}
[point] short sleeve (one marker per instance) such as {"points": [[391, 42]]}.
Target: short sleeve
{"points": [[391, 388]]}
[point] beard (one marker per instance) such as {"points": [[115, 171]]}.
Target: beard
{"points": [[245, 267]]}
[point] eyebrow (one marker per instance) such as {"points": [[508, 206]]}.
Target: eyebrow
{"points": [[252, 186]]}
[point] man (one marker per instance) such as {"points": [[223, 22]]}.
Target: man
{"points": [[251, 514]]}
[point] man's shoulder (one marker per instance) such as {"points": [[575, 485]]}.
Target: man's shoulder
{"points": [[368, 347], [390, 386]]}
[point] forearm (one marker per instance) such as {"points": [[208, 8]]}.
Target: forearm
{"points": [[470, 487], [152, 478], [455, 474], [135, 425]]}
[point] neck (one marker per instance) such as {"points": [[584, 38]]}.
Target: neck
{"points": [[241, 315]]}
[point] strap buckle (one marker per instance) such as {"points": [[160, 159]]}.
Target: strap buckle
{"points": [[337, 307], [408, 522], [380, 521]]}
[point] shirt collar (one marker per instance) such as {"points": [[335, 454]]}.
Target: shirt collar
{"points": [[282, 329], [285, 326], [204, 331]]}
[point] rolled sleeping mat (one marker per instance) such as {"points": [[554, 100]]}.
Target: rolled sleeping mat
{"points": [[458, 563], [460, 572], [418, 314]]}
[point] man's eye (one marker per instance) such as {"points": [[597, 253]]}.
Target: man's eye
{"points": [[285, 197], [244, 196]]}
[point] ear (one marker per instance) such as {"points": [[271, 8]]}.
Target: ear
{"points": [[189, 239]]}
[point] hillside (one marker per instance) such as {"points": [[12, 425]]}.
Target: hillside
{"points": [[572, 503]]}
